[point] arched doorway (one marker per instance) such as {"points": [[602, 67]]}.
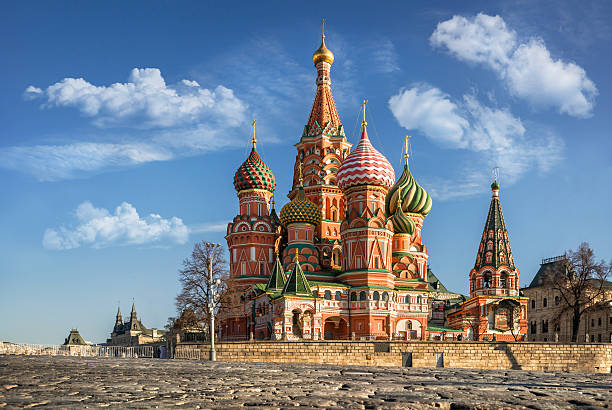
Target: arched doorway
{"points": [[408, 329], [296, 323], [335, 328]]}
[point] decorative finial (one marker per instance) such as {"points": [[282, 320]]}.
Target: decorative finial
{"points": [[296, 254], [322, 53], [363, 107], [254, 140], [301, 179], [495, 184], [407, 143], [272, 201]]}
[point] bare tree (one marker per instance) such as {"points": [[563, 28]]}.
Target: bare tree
{"points": [[581, 284], [194, 277]]}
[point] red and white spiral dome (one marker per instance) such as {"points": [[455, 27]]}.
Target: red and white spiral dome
{"points": [[365, 166]]}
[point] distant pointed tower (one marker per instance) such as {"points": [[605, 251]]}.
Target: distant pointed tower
{"points": [[407, 204], [321, 150], [495, 309], [301, 216], [118, 321], [252, 234], [365, 176]]}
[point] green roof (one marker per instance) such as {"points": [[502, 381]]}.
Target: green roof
{"points": [[434, 328], [330, 284], [277, 279], [74, 338], [297, 284]]}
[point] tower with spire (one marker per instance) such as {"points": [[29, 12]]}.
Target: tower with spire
{"points": [[495, 309], [321, 149], [252, 235]]}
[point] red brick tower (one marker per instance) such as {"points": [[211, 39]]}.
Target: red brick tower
{"points": [[252, 234], [365, 177], [321, 150], [495, 310]]}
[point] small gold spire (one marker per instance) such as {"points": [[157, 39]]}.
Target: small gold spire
{"points": [[296, 259], [323, 53], [406, 155], [363, 107], [300, 178], [495, 172], [254, 140]]}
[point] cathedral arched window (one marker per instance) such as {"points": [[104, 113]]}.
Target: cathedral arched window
{"points": [[362, 295], [503, 280], [376, 296], [327, 295], [385, 296], [407, 299], [490, 245], [353, 296], [489, 257], [487, 280], [338, 296]]}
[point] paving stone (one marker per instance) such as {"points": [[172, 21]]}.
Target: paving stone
{"points": [[60, 382]]}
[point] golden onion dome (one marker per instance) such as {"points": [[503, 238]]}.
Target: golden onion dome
{"points": [[300, 210], [323, 53]]}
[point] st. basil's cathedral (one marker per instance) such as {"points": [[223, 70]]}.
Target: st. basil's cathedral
{"points": [[344, 258]]}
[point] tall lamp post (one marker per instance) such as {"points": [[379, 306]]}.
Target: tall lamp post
{"points": [[213, 296]]}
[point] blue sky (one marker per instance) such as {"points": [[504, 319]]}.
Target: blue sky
{"points": [[123, 124]]}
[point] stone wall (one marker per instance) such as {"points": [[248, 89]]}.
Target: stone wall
{"points": [[482, 355]]}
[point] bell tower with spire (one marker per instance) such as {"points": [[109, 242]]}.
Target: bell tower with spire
{"points": [[495, 308], [321, 149]]}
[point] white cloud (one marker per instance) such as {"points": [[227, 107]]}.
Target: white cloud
{"points": [[98, 228], [496, 136], [57, 162], [385, 56], [145, 100], [220, 226], [527, 68], [188, 120], [430, 110]]}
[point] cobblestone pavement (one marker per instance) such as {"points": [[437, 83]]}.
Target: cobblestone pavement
{"points": [[29, 381]]}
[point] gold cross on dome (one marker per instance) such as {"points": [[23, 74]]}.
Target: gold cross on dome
{"points": [[323, 28], [254, 140], [495, 173], [406, 146], [363, 107]]}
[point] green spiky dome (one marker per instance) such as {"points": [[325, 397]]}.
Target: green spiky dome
{"points": [[402, 223], [254, 174], [412, 197], [301, 209]]}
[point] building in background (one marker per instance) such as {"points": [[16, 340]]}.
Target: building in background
{"points": [[495, 311], [74, 339], [133, 332], [547, 320]]}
